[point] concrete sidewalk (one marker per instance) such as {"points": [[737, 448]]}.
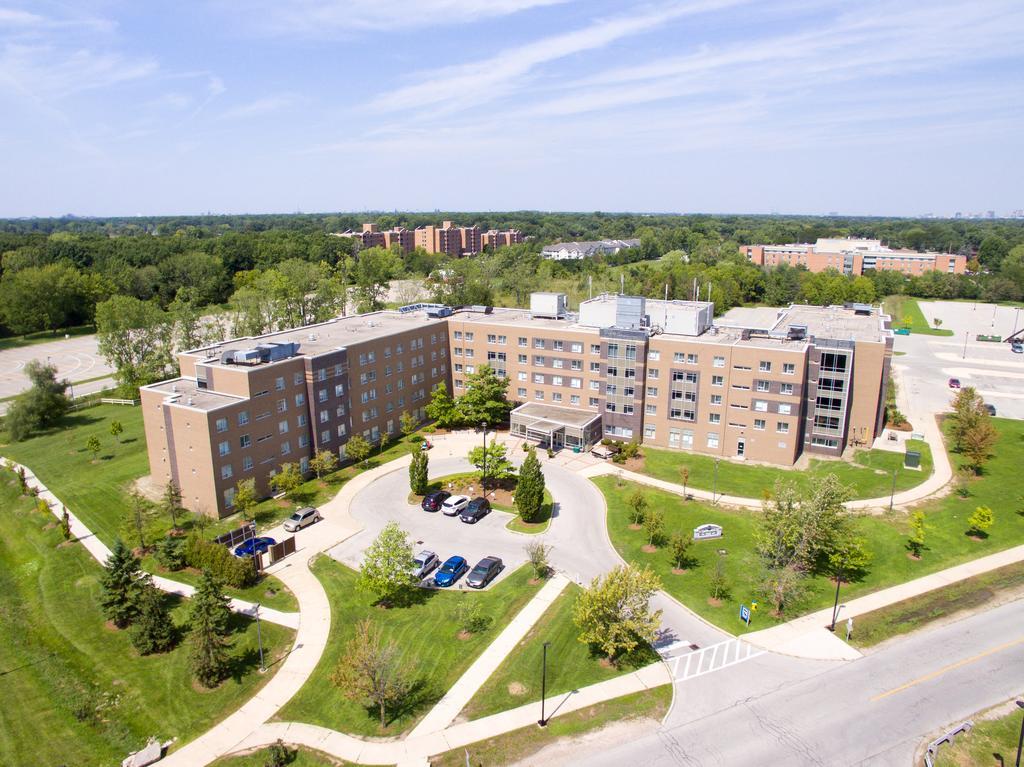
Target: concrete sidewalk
{"points": [[416, 750], [100, 552], [456, 699], [809, 637]]}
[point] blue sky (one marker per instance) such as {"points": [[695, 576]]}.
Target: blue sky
{"points": [[888, 107]]}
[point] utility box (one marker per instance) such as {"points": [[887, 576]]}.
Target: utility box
{"points": [[912, 460], [549, 305]]}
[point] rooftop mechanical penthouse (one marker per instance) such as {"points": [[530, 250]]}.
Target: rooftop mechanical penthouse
{"points": [[756, 384]]}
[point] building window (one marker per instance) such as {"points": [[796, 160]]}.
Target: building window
{"points": [[785, 409], [786, 388], [538, 394], [224, 448], [558, 346], [574, 399], [247, 463], [759, 424], [576, 383], [222, 424], [691, 359], [717, 380], [325, 436], [595, 348], [595, 367], [719, 362], [655, 355], [716, 399], [245, 441], [297, 379], [760, 406], [576, 347], [556, 380], [301, 420], [782, 427], [650, 409], [592, 402], [243, 418], [538, 360], [520, 392], [300, 400], [713, 441], [226, 471], [715, 418], [652, 391], [653, 373], [649, 432], [763, 386], [523, 341], [286, 447], [765, 366], [282, 427], [556, 397], [339, 389], [538, 343], [538, 378], [688, 439], [321, 395], [282, 405], [279, 383]]}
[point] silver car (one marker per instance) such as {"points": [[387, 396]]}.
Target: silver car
{"points": [[424, 564], [307, 515]]}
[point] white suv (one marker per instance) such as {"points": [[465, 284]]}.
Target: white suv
{"points": [[454, 505], [302, 517]]}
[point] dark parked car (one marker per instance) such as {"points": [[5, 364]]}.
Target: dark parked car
{"points": [[991, 409], [450, 571], [484, 572], [477, 509], [433, 501], [1017, 347], [254, 545]]}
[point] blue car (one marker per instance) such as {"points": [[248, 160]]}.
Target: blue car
{"points": [[254, 545], [451, 571]]}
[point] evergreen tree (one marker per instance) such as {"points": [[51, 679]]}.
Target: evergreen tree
{"points": [[419, 473], [153, 629], [530, 490], [208, 656], [120, 584]]}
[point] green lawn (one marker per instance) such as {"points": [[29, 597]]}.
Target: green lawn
{"points": [[901, 307], [427, 633], [77, 693], [570, 663], [1001, 488], [269, 592], [911, 614], [869, 474], [520, 744], [44, 336], [991, 742]]}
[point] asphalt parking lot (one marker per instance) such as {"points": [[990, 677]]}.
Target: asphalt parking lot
{"points": [[385, 501], [928, 362], [77, 359]]}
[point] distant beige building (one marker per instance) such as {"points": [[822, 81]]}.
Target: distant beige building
{"points": [[853, 256], [757, 384]]}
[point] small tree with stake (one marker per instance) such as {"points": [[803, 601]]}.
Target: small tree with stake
{"points": [[116, 430], [637, 503], [980, 521], [93, 446], [407, 423], [684, 475], [679, 547], [654, 526], [917, 532], [65, 525]]}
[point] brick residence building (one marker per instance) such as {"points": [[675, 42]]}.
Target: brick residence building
{"points": [[854, 257], [760, 384]]}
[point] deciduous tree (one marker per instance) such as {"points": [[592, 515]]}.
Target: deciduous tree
{"points": [[287, 480], [324, 462], [981, 520], [40, 406], [492, 463], [441, 408], [637, 503], [373, 670], [917, 533], [137, 340], [680, 545], [170, 503], [614, 613], [484, 400], [387, 564], [407, 423], [654, 525], [116, 430], [357, 448]]}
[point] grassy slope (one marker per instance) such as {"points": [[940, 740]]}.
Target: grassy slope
{"points": [[1000, 488], [520, 744], [911, 614], [570, 663], [301, 757], [899, 307], [55, 650], [425, 631], [991, 742], [870, 473], [98, 491]]}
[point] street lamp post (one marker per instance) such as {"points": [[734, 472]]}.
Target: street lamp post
{"points": [[714, 487], [1020, 740], [259, 637], [967, 335], [483, 473], [835, 607], [544, 687], [892, 493]]}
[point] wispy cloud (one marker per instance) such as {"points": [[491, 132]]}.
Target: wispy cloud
{"points": [[257, 108], [329, 18], [465, 86]]}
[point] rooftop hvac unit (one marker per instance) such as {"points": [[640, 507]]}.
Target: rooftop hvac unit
{"points": [[796, 332], [548, 305]]}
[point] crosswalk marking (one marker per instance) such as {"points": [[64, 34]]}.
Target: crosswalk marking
{"points": [[712, 658]]}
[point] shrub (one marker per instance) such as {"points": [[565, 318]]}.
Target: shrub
{"points": [[219, 562], [278, 755], [170, 554], [471, 615], [538, 552]]}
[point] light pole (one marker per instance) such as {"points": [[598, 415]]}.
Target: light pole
{"points": [[835, 607], [714, 487], [1020, 740], [967, 334], [544, 687], [892, 493], [259, 637], [483, 473], [1016, 319]]}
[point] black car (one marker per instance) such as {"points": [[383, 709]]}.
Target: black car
{"points": [[484, 572], [433, 501], [991, 409], [477, 509]]}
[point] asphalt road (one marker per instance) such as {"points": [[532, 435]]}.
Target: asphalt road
{"points": [[875, 711]]}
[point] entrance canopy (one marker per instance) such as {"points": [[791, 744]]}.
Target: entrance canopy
{"points": [[555, 426]]}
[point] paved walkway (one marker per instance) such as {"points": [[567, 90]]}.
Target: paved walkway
{"points": [[456, 699], [101, 553], [808, 637]]}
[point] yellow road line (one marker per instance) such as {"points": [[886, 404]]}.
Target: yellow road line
{"points": [[950, 667]]}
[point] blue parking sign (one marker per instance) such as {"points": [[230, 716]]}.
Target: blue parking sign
{"points": [[745, 614]]}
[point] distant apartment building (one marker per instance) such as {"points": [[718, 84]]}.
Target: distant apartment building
{"points": [[853, 256], [372, 237], [758, 384], [493, 239], [571, 251]]}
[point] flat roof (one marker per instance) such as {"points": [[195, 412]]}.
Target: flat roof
{"points": [[561, 416], [186, 393], [757, 317], [836, 322], [329, 336]]}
